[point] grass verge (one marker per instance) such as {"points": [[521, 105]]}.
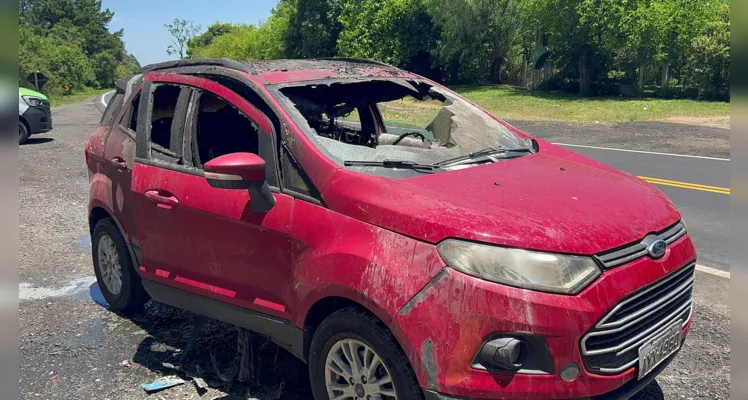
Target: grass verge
{"points": [[76, 96], [516, 104]]}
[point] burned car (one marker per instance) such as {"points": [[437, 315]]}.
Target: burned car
{"points": [[402, 241]]}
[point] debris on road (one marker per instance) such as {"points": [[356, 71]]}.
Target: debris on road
{"points": [[200, 383], [162, 383]]}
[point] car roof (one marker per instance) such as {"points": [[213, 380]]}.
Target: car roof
{"points": [[290, 71]]}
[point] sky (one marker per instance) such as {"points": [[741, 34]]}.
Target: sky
{"points": [[143, 20]]}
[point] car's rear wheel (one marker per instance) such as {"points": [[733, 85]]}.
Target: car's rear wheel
{"points": [[354, 356], [23, 133], [118, 281]]}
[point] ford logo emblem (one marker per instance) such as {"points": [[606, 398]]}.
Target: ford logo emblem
{"points": [[657, 248]]}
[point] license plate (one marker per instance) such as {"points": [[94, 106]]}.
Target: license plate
{"points": [[657, 349]]}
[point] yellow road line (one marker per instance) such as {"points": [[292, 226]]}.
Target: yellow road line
{"points": [[686, 185]]}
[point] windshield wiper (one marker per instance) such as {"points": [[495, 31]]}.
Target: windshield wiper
{"points": [[394, 164], [490, 151]]}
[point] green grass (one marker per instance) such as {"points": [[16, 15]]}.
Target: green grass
{"points": [[76, 96], [516, 104]]}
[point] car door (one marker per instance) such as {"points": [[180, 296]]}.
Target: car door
{"points": [[119, 153], [202, 239]]}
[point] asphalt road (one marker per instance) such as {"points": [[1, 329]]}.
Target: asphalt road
{"points": [[705, 209], [73, 347]]}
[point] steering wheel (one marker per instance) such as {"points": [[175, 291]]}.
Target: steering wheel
{"points": [[404, 135]]}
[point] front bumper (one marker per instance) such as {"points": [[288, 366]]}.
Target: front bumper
{"points": [[38, 118], [446, 327], [624, 392]]}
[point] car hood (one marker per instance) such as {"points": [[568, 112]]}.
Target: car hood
{"points": [[28, 92], [555, 200]]}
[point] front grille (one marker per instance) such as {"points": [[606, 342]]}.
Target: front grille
{"points": [[612, 345], [633, 251]]}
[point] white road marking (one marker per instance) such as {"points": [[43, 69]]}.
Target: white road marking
{"points": [[103, 97], [28, 292], [641, 151], [713, 271]]}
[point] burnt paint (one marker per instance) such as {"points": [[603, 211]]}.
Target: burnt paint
{"points": [[372, 246], [429, 364]]}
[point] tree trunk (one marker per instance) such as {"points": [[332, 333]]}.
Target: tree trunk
{"points": [[496, 65], [584, 74], [524, 75], [454, 71], [642, 73], [665, 74]]}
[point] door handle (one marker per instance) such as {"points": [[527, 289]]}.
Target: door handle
{"points": [[119, 162], [162, 199]]}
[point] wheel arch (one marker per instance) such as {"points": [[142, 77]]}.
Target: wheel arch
{"points": [[25, 123], [99, 212], [325, 305], [96, 214]]}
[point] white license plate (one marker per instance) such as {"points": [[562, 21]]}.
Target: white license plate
{"points": [[657, 349]]}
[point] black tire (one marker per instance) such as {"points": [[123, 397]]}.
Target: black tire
{"points": [[23, 132], [353, 323], [132, 296]]}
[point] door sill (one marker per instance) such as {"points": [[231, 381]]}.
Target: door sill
{"points": [[281, 331]]}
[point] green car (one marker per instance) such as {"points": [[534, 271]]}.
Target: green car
{"points": [[34, 114]]}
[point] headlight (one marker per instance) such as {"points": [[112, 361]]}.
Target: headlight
{"points": [[546, 272], [33, 101]]}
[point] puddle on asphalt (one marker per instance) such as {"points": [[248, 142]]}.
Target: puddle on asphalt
{"points": [[85, 288], [84, 244], [94, 293], [93, 335]]}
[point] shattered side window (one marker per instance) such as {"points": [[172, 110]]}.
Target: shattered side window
{"points": [[113, 108], [130, 119], [396, 119]]}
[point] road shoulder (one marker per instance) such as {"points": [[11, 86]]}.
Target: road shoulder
{"points": [[663, 137]]}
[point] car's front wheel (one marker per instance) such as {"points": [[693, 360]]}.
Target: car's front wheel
{"points": [[354, 356], [118, 281], [23, 133]]}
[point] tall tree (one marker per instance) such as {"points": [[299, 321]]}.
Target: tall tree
{"points": [[314, 27], [581, 34], [398, 32], [79, 28], [207, 37], [182, 31], [474, 32]]}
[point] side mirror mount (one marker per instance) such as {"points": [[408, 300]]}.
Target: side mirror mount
{"points": [[241, 171]]}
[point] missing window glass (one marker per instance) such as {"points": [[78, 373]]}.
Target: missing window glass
{"points": [[164, 105], [399, 119], [222, 129]]}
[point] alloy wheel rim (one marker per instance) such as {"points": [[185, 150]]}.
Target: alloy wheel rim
{"points": [[109, 265], [353, 371]]}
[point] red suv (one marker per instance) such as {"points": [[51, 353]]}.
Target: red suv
{"points": [[402, 241]]}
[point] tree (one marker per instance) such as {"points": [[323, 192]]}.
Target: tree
{"points": [[397, 32], [313, 27], [206, 38], [581, 34], [182, 31], [52, 31], [477, 34], [247, 42], [707, 66]]}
